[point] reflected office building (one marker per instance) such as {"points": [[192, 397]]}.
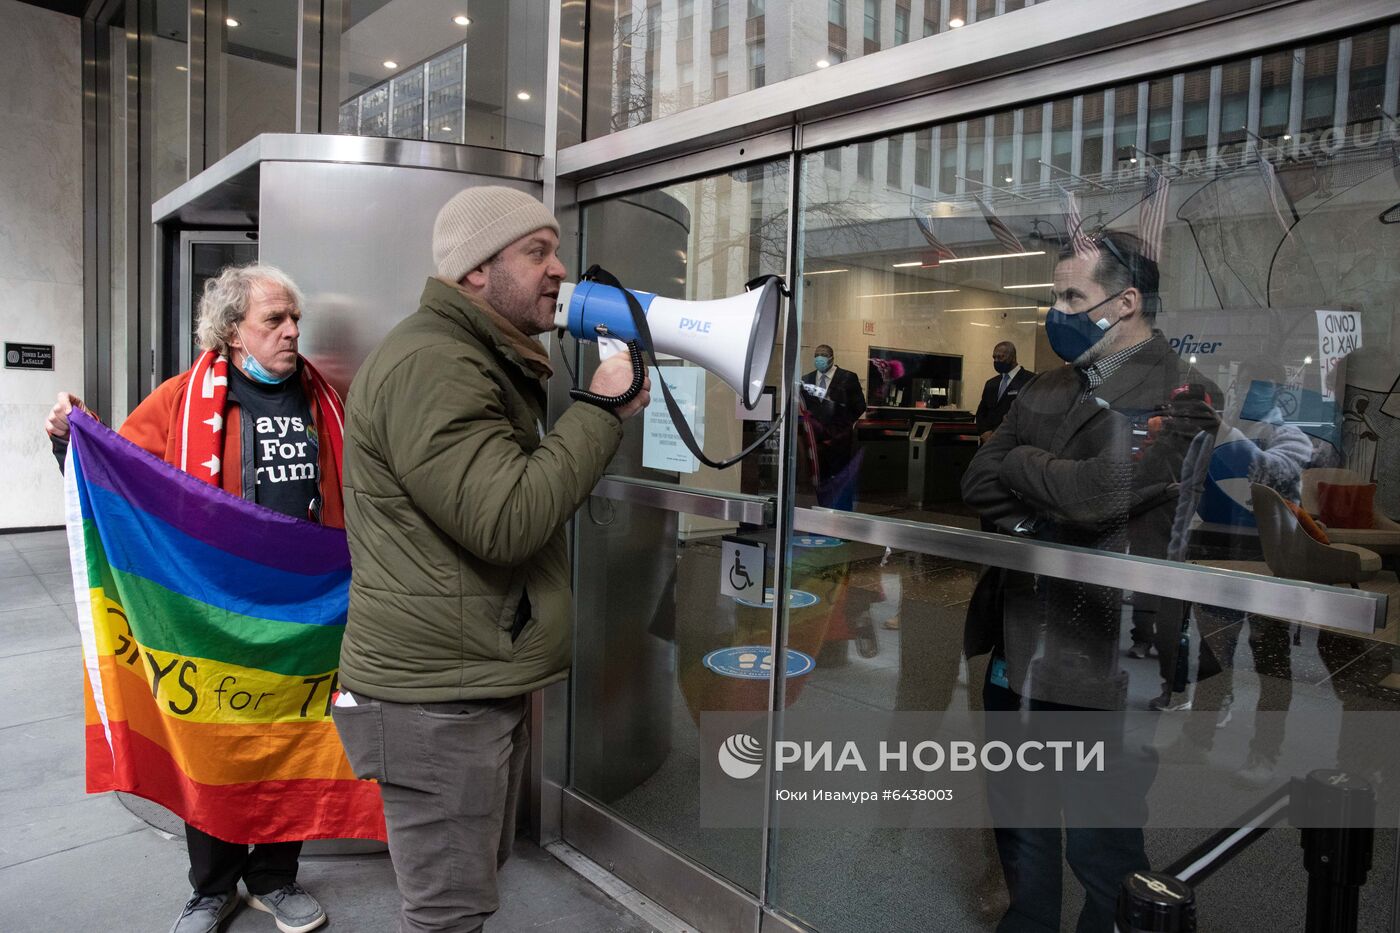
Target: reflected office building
{"points": [[1202, 534]]}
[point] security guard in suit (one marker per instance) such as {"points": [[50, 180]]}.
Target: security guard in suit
{"points": [[1001, 390]]}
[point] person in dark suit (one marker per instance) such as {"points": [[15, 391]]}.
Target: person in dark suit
{"points": [[834, 402], [1001, 390], [1090, 455]]}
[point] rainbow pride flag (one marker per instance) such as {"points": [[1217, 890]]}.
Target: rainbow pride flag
{"points": [[211, 634]]}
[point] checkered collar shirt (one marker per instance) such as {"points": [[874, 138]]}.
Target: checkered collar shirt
{"points": [[1098, 372]]}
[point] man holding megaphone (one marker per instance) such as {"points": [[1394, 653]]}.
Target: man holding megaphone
{"points": [[456, 499]]}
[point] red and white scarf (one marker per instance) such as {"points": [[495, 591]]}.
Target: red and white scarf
{"points": [[202, 418]]}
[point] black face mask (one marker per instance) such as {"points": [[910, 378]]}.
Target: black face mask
{"points": [[1003, 366]]}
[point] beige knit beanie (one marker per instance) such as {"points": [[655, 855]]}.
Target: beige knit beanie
{"points": [[478, 222]]}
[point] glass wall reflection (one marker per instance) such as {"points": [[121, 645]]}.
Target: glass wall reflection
{"points": [[438, 70], [1156, 319], [257, 72], [655, 58], [1252, 267]]}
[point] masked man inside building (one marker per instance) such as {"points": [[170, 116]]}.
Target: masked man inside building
{"points": [[1090, 455]]}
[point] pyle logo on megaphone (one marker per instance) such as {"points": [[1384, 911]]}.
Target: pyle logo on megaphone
{"points": [[731, 337]]}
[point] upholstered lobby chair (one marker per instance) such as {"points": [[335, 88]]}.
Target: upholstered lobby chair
{"points": [[1293, 553], [1378, 533]]}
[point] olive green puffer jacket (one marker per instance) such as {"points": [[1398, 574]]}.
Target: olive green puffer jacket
{"points": [[455, 504]]}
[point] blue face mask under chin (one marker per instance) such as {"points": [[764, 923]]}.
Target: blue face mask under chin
{"points": [[255, 370], [1071, 335]]}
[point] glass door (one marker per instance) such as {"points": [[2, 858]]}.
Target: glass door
{"points": [[203, 255], [658, 641]]}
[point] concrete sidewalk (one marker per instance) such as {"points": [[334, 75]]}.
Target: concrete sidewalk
{"points": [[70, 861]]}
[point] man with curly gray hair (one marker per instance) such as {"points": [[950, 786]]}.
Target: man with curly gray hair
{"points": [[267, 428]]}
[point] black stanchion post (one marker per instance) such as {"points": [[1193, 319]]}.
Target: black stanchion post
{"points": [[1153, 902], [1336, 814]]}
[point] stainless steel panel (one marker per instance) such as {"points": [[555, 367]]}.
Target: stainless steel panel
{"points": [[787, 487], [308, 74], [1031, 38], [744, 151], [771, 922], [96, 215], [549, 762], [682, 887], [1337, 607], [751, 510], [332, 24], [570, 63], [358, 240], [195, 34], [215, 85], [211, 188]]}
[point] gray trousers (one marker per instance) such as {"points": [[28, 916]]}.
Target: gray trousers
{"points": [[449, 775]]}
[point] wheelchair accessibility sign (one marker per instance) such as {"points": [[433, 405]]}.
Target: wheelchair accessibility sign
{"points": [[741, 569], [755, 662]]}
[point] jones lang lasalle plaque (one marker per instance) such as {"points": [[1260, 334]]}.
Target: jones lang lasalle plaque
{"points": [[29, 356]]}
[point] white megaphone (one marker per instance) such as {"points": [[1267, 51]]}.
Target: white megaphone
{"points": [[731, 337]]}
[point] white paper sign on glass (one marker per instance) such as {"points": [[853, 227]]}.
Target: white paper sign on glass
{"points": [[1338, 334], [662, 448]]}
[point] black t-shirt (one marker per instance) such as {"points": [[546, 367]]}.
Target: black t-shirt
{"points": [[285, 447]]}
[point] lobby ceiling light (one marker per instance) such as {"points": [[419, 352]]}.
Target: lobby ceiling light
{"points": [[1007, 308], [906, 265], [1034, 252], [823, 63], [825, 271], [937, 291], [390, 64], [523, 95], [232, 23], [461, 20], [955, 23], [181, 68], [1032, 285]]}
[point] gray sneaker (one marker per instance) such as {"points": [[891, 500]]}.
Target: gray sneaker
{"points": [[204, 914], [294, 910]]}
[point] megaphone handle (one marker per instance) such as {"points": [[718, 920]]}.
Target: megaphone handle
{"points": [[639, 375]]}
